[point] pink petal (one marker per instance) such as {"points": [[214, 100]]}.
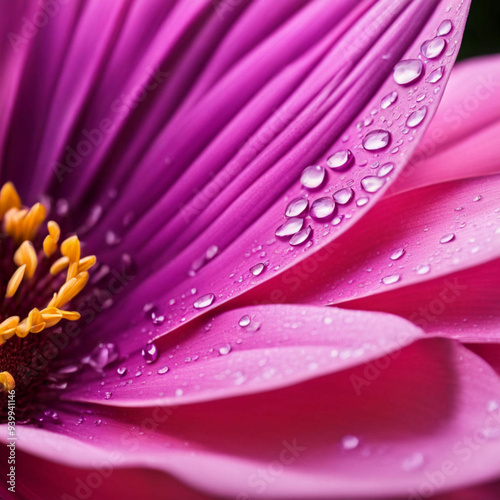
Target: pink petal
{"points": [[219, 358], [444, 436]]}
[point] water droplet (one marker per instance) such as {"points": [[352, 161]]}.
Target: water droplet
{"points": [[244, 321], [108, 395], [341, 160], [447, 238], [163, 370], [257, 269], [52, 416], [179, 392], [407, 71], [385, 169], [349, 442], [150, 353], [416, 117], [444, 28], [211, 252], [477, 198], [388, 99], [69, 369], [423, 268], [290, 227], [436, 75], [204, 301], [297, 208], [397, 254], [361, 202], [225, 350], [433, 48], [312, 177], [337, 220], [389, 280], [301, 237], [102, 355], [413, 461], [343, 196], [157, 319], [322, 208], [98, 422], [122, 370], [376, 139], [372, 183]]}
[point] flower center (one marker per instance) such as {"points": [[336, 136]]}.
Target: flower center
{"points": [[39, 279]]}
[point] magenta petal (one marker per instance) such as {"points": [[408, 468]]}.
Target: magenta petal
{"points": [[448, 425], [247, 350]]}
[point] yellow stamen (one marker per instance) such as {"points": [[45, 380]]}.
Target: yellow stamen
{"points": [[7, 381], [8, 198], [70, 248], [50, 241], [59, 265], [69, 290], [15, 281], [33, 220], [26, 255]]}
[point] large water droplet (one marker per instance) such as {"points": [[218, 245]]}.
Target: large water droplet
{"points": [[433, 48], [444, 28], [447, 238], [407, 71], [388, 99], [322, 208], [361, 202], [372, 183], [343, 196], [397, 254], [204, 301], [244, 321], [163, 370], [297, 207], [101, 356], [376, 139], [341, 160], [389, 280], [436, 75], [226, 349], [349, 442], [257, 269], [385, 169], [416, 117], [301, 237], [150, 353], [289, 227], [312, 177]]}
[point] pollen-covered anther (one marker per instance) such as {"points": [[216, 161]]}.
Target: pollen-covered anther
{"points": [[51, 240], [7, 382]]}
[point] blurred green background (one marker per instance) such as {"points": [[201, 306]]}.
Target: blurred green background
{"points": [[482, 33]]}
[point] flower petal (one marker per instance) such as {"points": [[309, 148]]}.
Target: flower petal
{"points": [[314, 435]]}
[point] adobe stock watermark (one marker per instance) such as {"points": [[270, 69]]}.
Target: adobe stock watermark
{"points": [[30, 27], [423, 317], [92, 139], [264, 476]]}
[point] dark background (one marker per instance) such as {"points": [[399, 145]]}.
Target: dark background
{"points": [[482, 33]]}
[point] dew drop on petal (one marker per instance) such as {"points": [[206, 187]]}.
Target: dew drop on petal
{"points": [[341, 160], [436, 75], [376, 139], [244, 321], [397, 254], [337, 220], [477, 198], [322, 208], [122, 370], [150, 353], [297, 207], [389, 280], [444, 28], [385, 169], [301, 237], [343, 196], [407, 71], [416, 117], [361, 202], [226, 349], [447, 238], [102, 355], [388, 99], [163, 370], [211, 252], [290, 227], [349, 442], [204, 301], [433, 48], [372, 183], [312, 177], [423, 268], [257, 269]]}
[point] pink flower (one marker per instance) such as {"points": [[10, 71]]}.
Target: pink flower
{"points": [[297, 290]]}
